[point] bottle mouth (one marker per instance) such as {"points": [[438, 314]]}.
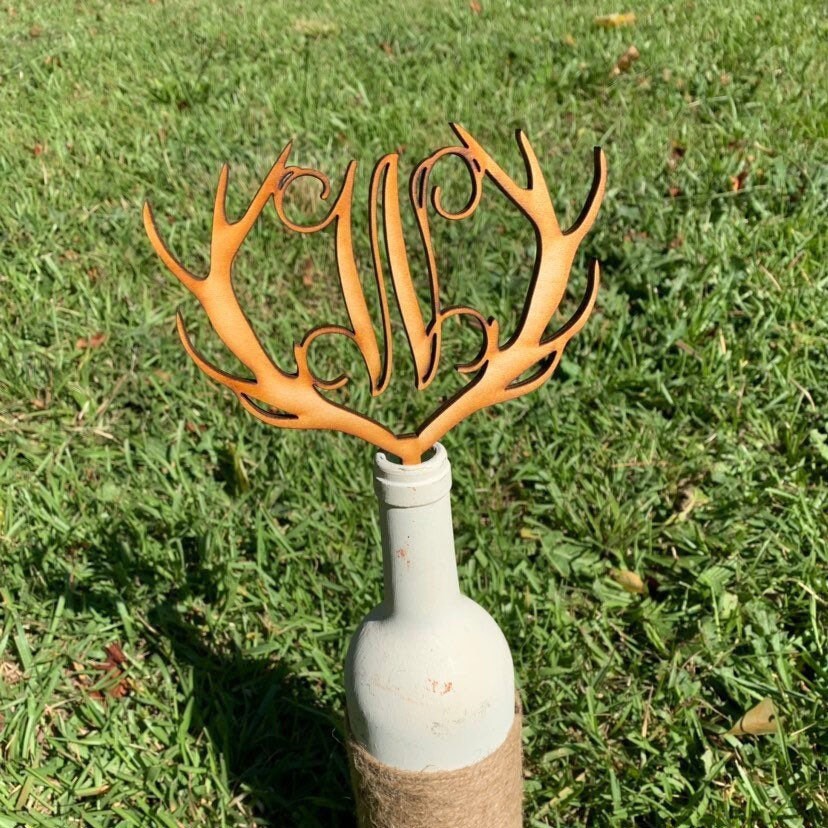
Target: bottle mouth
{"points": [[397, 461], [413, 485]]}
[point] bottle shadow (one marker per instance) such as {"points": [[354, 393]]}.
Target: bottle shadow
{"points": [[284, 752]]}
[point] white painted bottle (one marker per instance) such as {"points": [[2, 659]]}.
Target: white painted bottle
{"points": [[429, 678]]}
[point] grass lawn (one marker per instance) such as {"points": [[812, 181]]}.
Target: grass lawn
{"points": [[178, 582]]}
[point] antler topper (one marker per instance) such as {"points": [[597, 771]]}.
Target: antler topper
{"points": [[294, 400]]}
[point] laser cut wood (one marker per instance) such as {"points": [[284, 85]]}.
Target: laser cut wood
{"points": [[295, 400]]}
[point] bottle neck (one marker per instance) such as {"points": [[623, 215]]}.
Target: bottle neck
{"points": [[419, 566]]}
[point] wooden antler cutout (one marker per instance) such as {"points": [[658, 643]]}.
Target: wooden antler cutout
{"points": [[294, 400]]}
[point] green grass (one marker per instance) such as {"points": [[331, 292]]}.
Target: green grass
{"points": [[683, 437]]}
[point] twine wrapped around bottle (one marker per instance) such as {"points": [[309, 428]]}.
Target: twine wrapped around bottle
{"points": [[487, 794]]}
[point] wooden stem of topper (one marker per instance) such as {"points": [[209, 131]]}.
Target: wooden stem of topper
{"points": [[295, 400]]}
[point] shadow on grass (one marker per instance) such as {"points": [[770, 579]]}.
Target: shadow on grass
{"points": [[283, 752]]}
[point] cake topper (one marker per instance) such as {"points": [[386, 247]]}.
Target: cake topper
{"points": [[296, 399]]}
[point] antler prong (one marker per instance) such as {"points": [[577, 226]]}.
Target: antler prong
{"points": [[170, 261], [546, 367], [589, 212], [220, 203]]}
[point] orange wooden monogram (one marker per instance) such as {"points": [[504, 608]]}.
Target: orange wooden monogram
{"points": [[295, 400]]}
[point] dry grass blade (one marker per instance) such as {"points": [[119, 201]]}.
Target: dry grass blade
{"points": [[759, 720]]}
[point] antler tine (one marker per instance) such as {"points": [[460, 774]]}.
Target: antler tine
{"points": [[589, 212], [228, 236], [555, 344], [170, 261], [533, 199], [578, 319]]}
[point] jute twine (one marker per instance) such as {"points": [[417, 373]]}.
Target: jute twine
{"points": [[488, 794]]}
